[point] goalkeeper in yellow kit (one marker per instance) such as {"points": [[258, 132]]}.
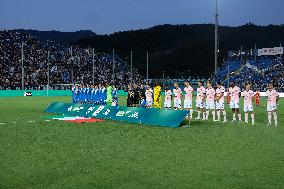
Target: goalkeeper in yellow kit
{"points": [[157, 96]]}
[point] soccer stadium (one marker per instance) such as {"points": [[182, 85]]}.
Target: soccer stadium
{"points": [[147, 102]]}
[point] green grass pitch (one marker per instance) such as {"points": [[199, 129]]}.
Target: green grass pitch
{"points": [[39, 154]]}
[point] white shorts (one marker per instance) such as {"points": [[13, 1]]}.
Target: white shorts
{"points": [[199, 103], [187, 104], [167, 104], [220, 106], [271, 107], [234, 105], [149, 103], [177, 103], [248, 108], [210, 105]]}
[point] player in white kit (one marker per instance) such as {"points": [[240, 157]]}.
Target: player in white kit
{"points": [[220, 100], [248, 95], [188, 98], [177, 97], [210, 101], [201, 91], [235, 93], [168, 98], [272, 99]]}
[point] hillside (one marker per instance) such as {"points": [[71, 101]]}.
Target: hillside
{"points": [[183, 49], [64, 37]]}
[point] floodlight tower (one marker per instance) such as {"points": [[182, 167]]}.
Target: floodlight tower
{"points": [[216, 36], [22, 66]]}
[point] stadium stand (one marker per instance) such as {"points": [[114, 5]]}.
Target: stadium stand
{"points": [[259, 72], [64, 62], [74, 65]]}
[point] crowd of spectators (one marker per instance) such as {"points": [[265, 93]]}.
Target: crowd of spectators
{"points": [[67, 64], [259, 73]]}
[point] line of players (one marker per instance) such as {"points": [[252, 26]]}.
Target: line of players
{"points": [[210, 99], [100, 94], [207, 99]]}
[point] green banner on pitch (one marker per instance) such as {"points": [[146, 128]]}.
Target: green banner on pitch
{"points": [[74, 109], [101, 112], [130, 114], [168, 118], [57, 107]]}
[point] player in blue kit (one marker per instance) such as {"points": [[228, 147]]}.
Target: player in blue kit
{"points": [[80, 93], [94, 94], [73, 93], [99, 94], [88, 94], [76, 94], [103, 95], [92, 90], [84, 94]]}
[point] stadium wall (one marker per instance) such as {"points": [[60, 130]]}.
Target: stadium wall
{"points": [[16, 93]]}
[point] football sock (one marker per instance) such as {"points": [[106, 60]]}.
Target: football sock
{"points": [[218, 114], [190, 113], [240, 117], [252, 118], [275, 117], [246, 117], [198, 114], [234, 116], [269, 117], [225, 116], [207, 114], [213, 114]]}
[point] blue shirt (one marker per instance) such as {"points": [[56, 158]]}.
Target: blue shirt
{"points": [[76, 95], [73, 94], [99, 95], [88, 94], [80, 94], [103, 95], [93, 95], [84, 95]]}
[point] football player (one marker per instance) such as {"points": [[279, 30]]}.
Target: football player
{"points": [[201, 91], [177, 97], [188, 98], [248, 95], [210, 101], [235, 93], [219, 100], [272, 99]]}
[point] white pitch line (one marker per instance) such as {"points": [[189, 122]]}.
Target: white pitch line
{"points": [[31, 121], [47, 120], [2, 123]]}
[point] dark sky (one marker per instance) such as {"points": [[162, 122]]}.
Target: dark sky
{"points": [[108, 16]]}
